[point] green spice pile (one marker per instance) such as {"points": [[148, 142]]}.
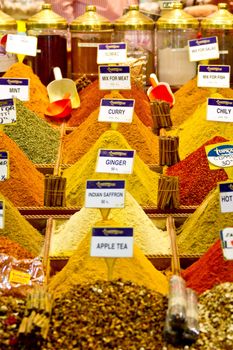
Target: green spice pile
{"points": [[34, 136], [108, 315]]}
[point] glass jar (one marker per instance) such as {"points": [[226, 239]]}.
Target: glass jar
{"points": [[138, 31], [220, 24], [51, 32], [7, 26], [21, 9], [87, 31], [174, 29]]}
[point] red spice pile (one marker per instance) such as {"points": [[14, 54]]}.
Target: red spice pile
{"points": [[196, 179], [209, 270], [14, 249], [90, 100]]}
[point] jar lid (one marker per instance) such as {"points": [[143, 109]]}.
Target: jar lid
{"points": [[46, 19], [222, 19], [134, 20], [90, 21], [177, 18], [7, 22]]}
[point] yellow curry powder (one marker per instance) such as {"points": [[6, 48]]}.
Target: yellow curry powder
{"points": [[142, 183], [197, 130], [139, 137]]}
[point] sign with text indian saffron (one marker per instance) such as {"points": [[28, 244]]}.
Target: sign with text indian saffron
{"points": [[115, 242], [220, 110], [7, 111], [114, 161], [220, 155], [226, 197], [203, 49], [119, 111], [114, 78], [213, 76], [105, 194], [226, 236]]}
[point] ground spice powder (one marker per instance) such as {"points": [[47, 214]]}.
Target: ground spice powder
{"points": [[25, 187], [142, 183], [14, 249], [139, 137], [38, 98], [34, 136], [196, 179]]}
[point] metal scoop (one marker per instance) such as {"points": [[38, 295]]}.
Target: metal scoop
{"points": [[61, 86]]}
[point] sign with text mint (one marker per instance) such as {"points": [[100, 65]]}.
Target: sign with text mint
{"points": [[2, 214], [115, 161], [213, 76], [14, 87], [114, 78], [119, 111], [114, 242], [21, 44], [4, 166], [226, 236], [220, 110], [111, 53], [203, 49], [7, 111], [226, 197], [105, 194]]}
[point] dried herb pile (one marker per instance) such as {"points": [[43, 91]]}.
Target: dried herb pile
{"points": [[34, 136], [196, 179]]}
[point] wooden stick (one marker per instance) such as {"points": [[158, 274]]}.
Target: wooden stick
{"points": [[175, 253], [46, 261]]}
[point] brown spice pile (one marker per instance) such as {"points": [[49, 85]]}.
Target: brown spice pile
{"points": [[14, 249]]}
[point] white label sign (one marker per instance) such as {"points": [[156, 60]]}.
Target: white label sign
{"points": [[226, 197], [105, 194], [203, 49], [213, 76], [111, 53], [4, 165], [14, 87], [2, 214], [7, 111], [226, 236], [166, 4], [114, 78], [220, 110], [115, 242], [120, 111], [21, 44], [220, 155], [115, 161]]}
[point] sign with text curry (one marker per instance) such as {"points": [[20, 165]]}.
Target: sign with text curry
{"points": [[220, 110], [115, 242], [105, 194], [115, 161], [114, 110], [220, 155], [226, 197], [114, 78], [226, 236]]}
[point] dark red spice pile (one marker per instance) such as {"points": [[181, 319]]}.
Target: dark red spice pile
{"points": [[14, 249], [209, 270], [196, 179]]}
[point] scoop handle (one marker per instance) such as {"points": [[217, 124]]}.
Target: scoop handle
{"points": [[57, 73]]}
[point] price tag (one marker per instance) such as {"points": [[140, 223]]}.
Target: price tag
{"points": [[21, 44], [114, 78], [7, 111], [115, 161], [111, 53], [19, 277], [226, 197], [226, 236], [120, 111], [4, 166], [220, 110], [105, 194], [14, 87], [203, 49], [2, 214], [166, 4], [220, 155], [114, 242], [213, 76]]}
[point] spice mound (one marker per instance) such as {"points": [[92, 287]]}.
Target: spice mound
{"points": [[140, 137], [9, 247], [142, 183], [196, 179], [19, 230], [38, 98], [197, 130], [25, 187], [90, 100], [83, 268], [202, 228], [34, 136], [209, 270], [66, 237], [108, 315]]}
